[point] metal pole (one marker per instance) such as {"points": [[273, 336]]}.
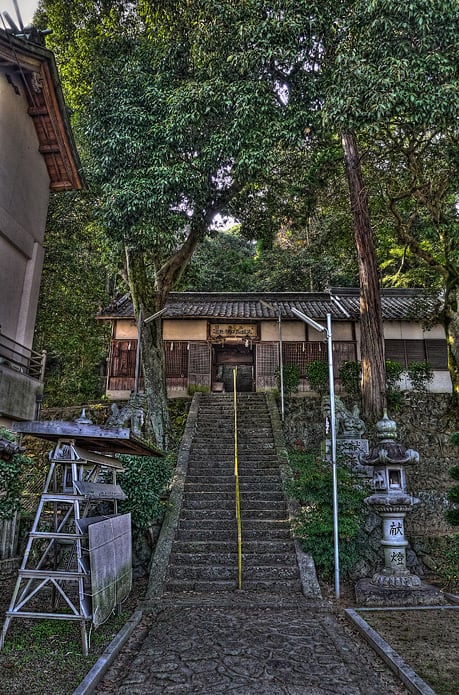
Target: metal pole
{"points": [[281, 368], [333, 453]]}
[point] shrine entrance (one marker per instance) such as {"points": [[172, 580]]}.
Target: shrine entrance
{"points": [[225, 358]]}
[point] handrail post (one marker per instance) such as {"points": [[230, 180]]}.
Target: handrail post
{"points": [[43, 365], [236, 476]]}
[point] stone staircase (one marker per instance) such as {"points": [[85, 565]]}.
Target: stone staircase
{"points": [[204, 550]]}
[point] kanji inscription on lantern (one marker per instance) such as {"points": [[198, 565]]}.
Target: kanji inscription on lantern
{"points": [[396, 528], [397, 558]]}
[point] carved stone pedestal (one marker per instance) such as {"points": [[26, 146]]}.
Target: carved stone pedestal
{"points": [[368, 594]]}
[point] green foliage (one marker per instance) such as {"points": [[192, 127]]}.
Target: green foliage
{"points": [[452, 515], [178, 412], [350, 374], [144, 481], [420, 374], [311, 485], [74, 285], [394, 371], [197, 388], [291, 375], [10, 479], [222, 263], [446, 558], [317, 375], [454, 472]]}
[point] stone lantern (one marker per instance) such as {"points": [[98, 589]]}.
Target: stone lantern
{"points": [[390, 501], [394, 585]]}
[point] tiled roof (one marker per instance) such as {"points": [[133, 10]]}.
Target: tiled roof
{"points": [[341, 303]]}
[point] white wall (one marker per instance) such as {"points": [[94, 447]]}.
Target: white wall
{"points": [[24, 196]]}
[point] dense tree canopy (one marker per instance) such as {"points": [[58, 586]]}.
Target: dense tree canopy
{"points": [[192, 110], [74, 286]]}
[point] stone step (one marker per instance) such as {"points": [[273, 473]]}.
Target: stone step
{"points": [[271, 478], [246, 495], [195, 534], [178, 586], [219, 572], [256, 473], [265, 526], [221, 512], [230, 546], [225, 430], [250, 450], [267, 560], [258, 465], [207, 486], [248, 506], [286, 586]]}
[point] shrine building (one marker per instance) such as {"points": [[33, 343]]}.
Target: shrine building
{"points": [[206, 334]]}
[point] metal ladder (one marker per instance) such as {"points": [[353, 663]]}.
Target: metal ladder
{"points": [[56, 559]]}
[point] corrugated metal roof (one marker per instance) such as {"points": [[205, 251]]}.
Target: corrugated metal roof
{"points": [[342, 304]]}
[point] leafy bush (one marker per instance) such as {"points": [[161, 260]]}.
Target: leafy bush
{"points": [[197, 388], [291, 375], [311, 485], [317, 375], [420, 374], [10, 479], [446, 558], [144, 481], [452, 515], [394, 371], [350, 374]]}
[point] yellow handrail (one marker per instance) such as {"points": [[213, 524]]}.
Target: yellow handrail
{"points": [[236, 476]]}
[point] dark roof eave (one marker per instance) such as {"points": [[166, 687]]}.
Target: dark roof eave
{"points": [[17, 46], [397, 305]]}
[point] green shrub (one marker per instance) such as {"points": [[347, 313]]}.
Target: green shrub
{"points": [[291, 375], [452, 515], [317, 375], [197, 388], [11, 479], [394, 371], [350, 375], [311, 485], [446, 558], [420, 374], [144, 481]]}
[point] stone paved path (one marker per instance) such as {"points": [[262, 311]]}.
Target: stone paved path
{"points": [[244, 648]]}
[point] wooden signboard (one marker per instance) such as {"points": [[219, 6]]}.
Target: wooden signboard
{"points": [[233, 330]]}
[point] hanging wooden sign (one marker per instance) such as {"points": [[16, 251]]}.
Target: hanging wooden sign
{"points": [[233, 330]]}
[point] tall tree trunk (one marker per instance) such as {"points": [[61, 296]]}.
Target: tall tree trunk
{"points": [[371, 325], [149, 296], [450, 319], [147, 302]]}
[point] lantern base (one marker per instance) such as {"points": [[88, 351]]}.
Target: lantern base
{"points": [[396, 580], [369, 594]]}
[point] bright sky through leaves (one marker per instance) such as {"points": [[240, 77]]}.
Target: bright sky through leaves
{"points": [[27, 9]]}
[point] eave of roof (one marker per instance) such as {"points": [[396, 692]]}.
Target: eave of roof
{"points": [[38, 72], [341, 303]]}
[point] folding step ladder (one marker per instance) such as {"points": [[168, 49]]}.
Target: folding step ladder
{"points": [[80, 489]]}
